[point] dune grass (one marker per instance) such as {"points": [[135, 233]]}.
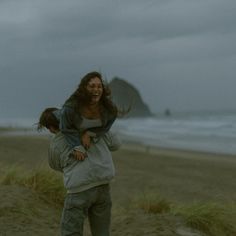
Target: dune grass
{"points": [[44, 181], [152, 203], [213, 219]]}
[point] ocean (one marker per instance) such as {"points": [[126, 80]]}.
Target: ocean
{"points": [[213, 132]]}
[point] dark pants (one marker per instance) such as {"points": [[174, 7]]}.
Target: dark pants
{"points": [[94, 203]]}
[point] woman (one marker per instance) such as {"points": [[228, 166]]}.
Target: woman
{"points": [[88, 113]]}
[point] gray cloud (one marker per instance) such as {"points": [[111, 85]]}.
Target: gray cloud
{"points": [[179, 54]]}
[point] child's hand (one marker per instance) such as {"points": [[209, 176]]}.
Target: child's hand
{"points": [[80, 156], [86, 140]]}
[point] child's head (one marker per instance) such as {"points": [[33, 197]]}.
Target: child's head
{"points": [[49, 120]]}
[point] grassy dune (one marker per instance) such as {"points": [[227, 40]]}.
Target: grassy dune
{"points": [[159, 192]]}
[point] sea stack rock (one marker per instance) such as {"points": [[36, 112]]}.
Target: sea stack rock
{"points": [[125, 95]]}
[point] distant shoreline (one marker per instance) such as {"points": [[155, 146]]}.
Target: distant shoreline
{"points": [[169, 151], [127, 144], [8, 131], [208, 133]]}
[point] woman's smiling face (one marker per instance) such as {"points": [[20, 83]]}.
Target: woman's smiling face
{"points": [[95, 90]]}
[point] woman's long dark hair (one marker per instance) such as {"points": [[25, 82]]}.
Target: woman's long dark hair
{"points": [[81, 97]]}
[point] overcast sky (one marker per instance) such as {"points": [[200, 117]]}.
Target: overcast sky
{"points": [[180, 54]]}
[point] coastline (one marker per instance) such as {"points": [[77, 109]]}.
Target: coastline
{"points": [[127, 143], [171, 151]]}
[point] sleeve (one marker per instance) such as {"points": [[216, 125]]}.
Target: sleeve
{"points": [[54, 159], [67, 127], [112, 141], [60, 157]]}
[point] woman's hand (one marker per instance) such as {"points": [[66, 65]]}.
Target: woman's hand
{"points": [[86, 140]]}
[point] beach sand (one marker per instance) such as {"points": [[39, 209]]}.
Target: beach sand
{"points": [[180, 177]]}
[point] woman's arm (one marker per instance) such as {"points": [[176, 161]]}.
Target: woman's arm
{"points": [[112, 141], [68, 128]]}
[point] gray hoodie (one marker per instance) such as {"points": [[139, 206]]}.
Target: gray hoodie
{"points": [[96, 169]]}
